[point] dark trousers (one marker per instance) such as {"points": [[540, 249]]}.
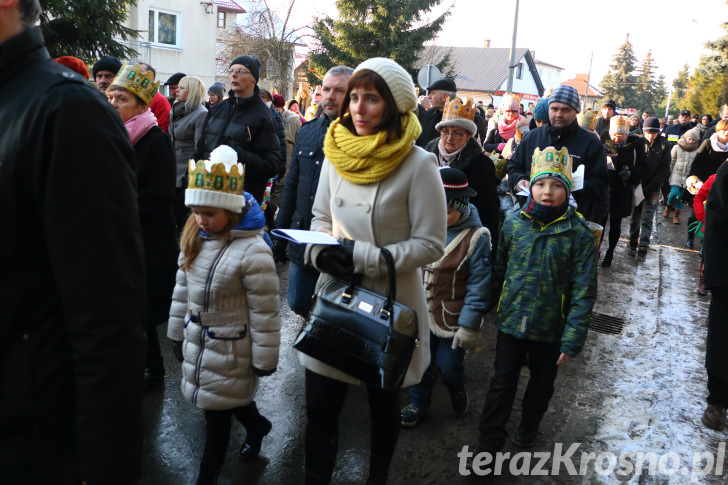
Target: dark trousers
{"points": [[181, 212], [449, 363], [640, 224], [716, 358], [615, 231], [218, 435], [510, 353], [324, 401], [154, 351]]}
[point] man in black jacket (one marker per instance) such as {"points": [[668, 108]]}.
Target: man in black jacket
{"points": [[656, 169], [245, 123], [583, 146], [72, 286], [439, 92], [300, 189]]}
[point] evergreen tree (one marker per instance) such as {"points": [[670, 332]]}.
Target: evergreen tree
{"points": [[646, 87], [619, 83], [679, 86], [708, 88], [374, 28], [87, 29]]}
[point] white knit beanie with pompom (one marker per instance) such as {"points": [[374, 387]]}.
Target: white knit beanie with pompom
{"points": [[398, 81]]}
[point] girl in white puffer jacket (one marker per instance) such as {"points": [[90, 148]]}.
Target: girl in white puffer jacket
{"points": [[224, 322]]}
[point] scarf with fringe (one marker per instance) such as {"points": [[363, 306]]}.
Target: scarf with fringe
{"points": [[367, 159], [717, 145], [507, 131]]}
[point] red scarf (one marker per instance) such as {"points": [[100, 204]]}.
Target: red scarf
{"points": [[507, 131], [139, 125]]}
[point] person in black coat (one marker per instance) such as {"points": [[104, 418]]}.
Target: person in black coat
{"points": [[439, 92], [300, 189], [656, 169], [156, 169], [72, 299], [627, 155], [715, 246], [245, 123], [583, 146]]}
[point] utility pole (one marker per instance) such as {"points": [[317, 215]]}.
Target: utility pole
{"points": [[588, 77], [667, 108], [512, 59]]}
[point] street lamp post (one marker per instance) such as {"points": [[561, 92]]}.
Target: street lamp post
{"points": [[512, 59]]}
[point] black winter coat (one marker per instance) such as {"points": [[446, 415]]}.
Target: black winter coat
{"points": [[480, 172], [584, 148], [707, 161], [493, 140], [428, 120], [673, 133], [72, 289], [657, 165], [281, 132], [715, 242], [246, 125], [302, 182], [631, 155], [156, 169], [602, 125]]}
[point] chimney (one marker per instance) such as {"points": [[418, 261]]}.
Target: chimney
{"points": [[533, 55], [486, 44]]}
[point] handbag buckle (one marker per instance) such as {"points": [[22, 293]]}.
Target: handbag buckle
{"points": [[384, 314], [345, 298]]}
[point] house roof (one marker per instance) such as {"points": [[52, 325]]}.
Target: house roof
{"points": [[482, 69], [579, 83], [538, 61], [231, 5]]}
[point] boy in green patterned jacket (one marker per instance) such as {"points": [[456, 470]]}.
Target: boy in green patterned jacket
{"points": [[546, 271]]}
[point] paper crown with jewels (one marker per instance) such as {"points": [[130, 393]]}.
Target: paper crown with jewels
{"points": [[619, 125], [550, 162], [217, 182], [459, 113], [143, 85], [587, 120]]}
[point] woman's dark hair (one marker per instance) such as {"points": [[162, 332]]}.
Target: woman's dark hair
{"points": [[391, 121], [710, 118]]}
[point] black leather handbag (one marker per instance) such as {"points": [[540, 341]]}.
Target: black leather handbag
{"points": [[364, 334]]}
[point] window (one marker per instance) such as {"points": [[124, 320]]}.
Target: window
{"points": [[221, 19], [164, 28], [519, 71]]}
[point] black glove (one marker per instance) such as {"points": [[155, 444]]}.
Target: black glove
{"points": [[279, 251], [624, 174], [338, 261], [263, 373], [177, 349]]}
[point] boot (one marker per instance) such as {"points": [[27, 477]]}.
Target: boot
{"points": [[255, 433], [714, 417], [666, 213], [208, 473], [607, 261], [676, 217], [701, 286]]}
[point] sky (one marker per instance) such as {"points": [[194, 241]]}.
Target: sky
{"points": [[565, 33]]}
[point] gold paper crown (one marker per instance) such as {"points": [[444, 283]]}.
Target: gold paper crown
{"points": [[457, 109], [588, 120], [619, 125], [131, 78], [549, 160], [216, 179], [511, 102]]}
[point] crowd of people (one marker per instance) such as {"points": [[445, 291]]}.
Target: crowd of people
{"points": [[130, 210]]}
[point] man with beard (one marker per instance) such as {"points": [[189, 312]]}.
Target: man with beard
{"points": [[584, 148], [300, 189]]}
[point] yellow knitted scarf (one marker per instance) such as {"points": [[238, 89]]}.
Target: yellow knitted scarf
{"points": [[368, 159]]}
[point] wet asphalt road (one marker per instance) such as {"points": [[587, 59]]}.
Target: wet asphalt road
{"points": [[426, 454]]}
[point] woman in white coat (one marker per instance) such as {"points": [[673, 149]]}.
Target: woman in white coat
{"points": [[376, 190]]}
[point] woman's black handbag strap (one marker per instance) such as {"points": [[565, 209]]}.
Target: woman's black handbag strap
{"points": [[392, 291]]}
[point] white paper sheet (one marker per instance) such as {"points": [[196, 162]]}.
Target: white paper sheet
{"points": [[577, 179], [639, 195], [305, 237]]}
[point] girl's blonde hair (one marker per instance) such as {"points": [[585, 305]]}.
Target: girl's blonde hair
{"points": [[197, 92], [190, 242]]}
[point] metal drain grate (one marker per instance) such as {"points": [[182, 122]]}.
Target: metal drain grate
{"points": [[606, 324]]}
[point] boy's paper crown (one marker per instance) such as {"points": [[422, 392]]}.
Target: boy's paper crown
{"points": [[217, 182], [551, 163], [587, 120], [131, 78]]}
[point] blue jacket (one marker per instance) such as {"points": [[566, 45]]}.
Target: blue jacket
{"points": [[302, 180], [548, 277]]}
